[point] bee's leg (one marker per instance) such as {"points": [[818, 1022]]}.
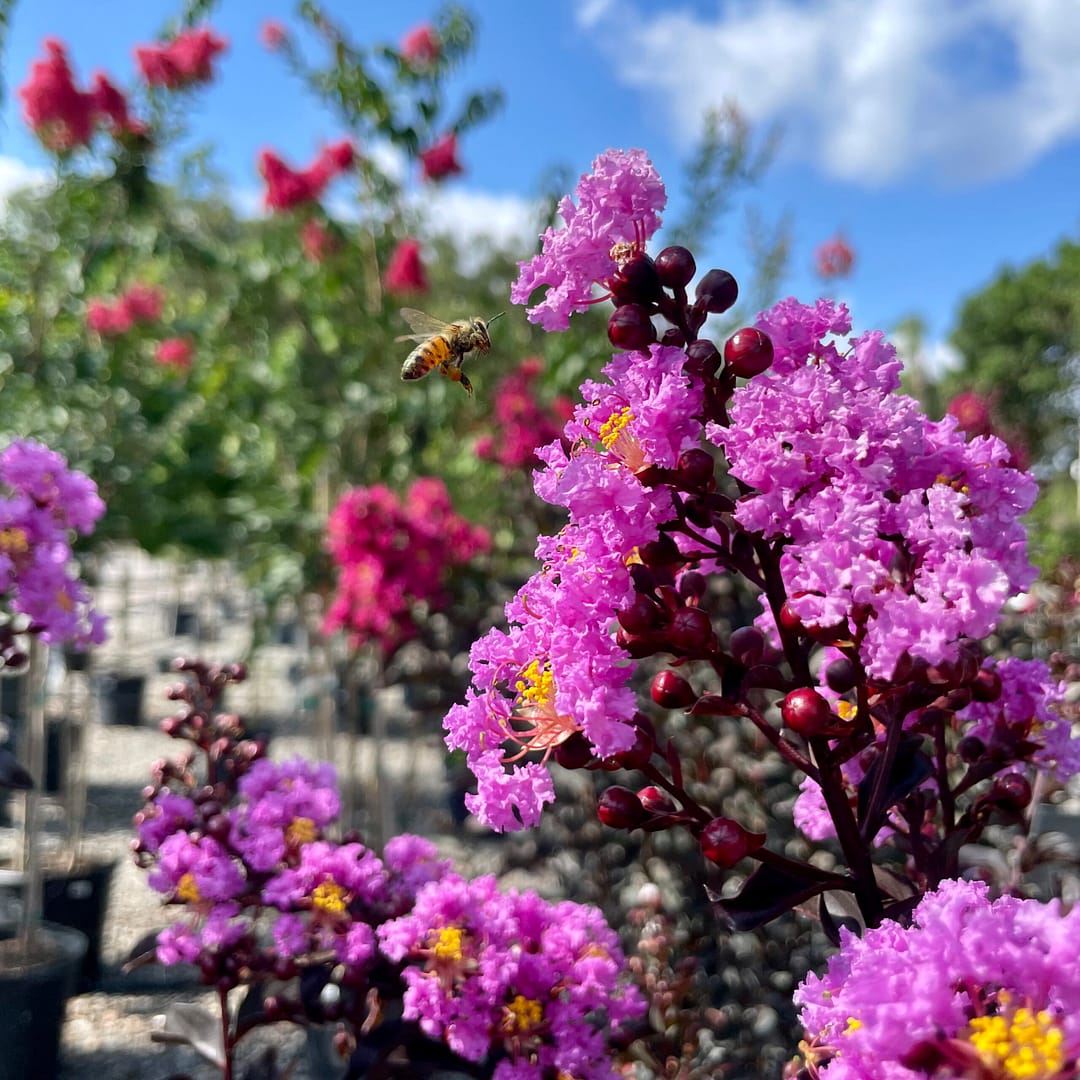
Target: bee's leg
{"points": [[455, 374]]}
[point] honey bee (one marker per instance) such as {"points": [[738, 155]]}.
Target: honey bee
{"points": [[443, 345]]}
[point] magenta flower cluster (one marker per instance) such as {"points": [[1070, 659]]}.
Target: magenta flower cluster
{"points": [[542, 981], [392, 556], [265, 891], [973, 987], [43, 504]]}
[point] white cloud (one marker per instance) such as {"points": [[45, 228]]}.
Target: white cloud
{"points": [[505, 222], [869, 90], [16, 175]]}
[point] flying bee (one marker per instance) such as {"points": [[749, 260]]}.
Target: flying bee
{"points": [[443, 345]]}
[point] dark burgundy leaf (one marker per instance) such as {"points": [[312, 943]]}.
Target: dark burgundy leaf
{"points": [[769, 892]]}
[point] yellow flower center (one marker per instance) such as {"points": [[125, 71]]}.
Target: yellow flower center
{"points": [[448, 944], [302, 830], [846, 710], [1021, 1043], [523, 1015], [536, 684], [329, 896], [14, 541], [612, 428], [187, 890]]}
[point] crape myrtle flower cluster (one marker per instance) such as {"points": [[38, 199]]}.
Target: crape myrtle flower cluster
{"points": [[186, 60], [392, 556], [287, 188], [405, 271], [882, 545], [245, 848], [43, 504], [65, 117], [139, 304], [989, 989]]}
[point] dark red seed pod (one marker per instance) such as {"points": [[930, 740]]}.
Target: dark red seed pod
{"points": [[674, 337], [970, 748], [695, 470], [692, 585], [620, 808], [717, 291], [640, 617], [575, 752], [1012, 791], [691, 631], [702, 358], [725, 842], [789, 620], [631, 328], [663, 551], [640, 754], [676, 267], [747, 645], [806, 712], [748, 352], [986, 686], [671, 691]]}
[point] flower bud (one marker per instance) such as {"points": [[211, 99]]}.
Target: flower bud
{"points": [[691, 631], [747, 645], [640, 753], [636, 281], [986, 686], [841, 675], [717, 291], [620, 808], [640, 617], [663, 551], [656, 801], [671, 691], [702, 358], [1012, 791], [630, 327], [970, 748], [725, 842], [692, 585], [695, 470], [574, 752], [806, 712], [676, 267], [748, 352]]}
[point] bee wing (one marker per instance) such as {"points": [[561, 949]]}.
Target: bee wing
{"points": [[423, 326]]}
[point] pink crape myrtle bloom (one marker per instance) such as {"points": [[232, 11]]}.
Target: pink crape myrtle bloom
{"points": [[834, 258], [405, 271], [273, 34], [175, 352], [440, 160], [421, 47], [618, 203], [185, 61], [974, 987], [287, 188]]}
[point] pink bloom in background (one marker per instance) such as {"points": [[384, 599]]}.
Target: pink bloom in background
{"points": [[175, 352], [522, 423], [440, 159], [144, 303], [421, 46], [287, 188], [393, 555], [62, 115], [140, 304], [184, 61], [405, 272], [108, 320], [834, 258], [273, 34]]}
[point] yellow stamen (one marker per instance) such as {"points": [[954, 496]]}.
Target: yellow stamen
{"points": [[14, 541], [523, 1015], [612, 428], [187, 890], [302, 830], [448, 944], [1022, 1044], [536, 684], [846, 710], [329, 896], [853, 1024]]}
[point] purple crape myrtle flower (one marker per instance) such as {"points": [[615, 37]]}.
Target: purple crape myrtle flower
{"points": [[282, 806], [485, 970], [897, 531], [617, 207], [167, 814], [196, 870], [558, 669], [1026, 713], [336, 885], [42, 502], [974, 987]]}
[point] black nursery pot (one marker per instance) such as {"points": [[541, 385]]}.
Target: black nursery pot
{"points": [[33, 995], [120, 699]]}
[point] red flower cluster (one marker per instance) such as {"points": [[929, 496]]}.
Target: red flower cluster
{"points": [[834, 258], [421, 46], [521, 424], [287, 188], [405, 272], [184, 61], [393, 556], [65, 116], [317, 240], [974, 414], [140, 304], [440, 159], [175, 352]]}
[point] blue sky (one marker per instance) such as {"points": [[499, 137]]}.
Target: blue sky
{"points": [[941, 136]]}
